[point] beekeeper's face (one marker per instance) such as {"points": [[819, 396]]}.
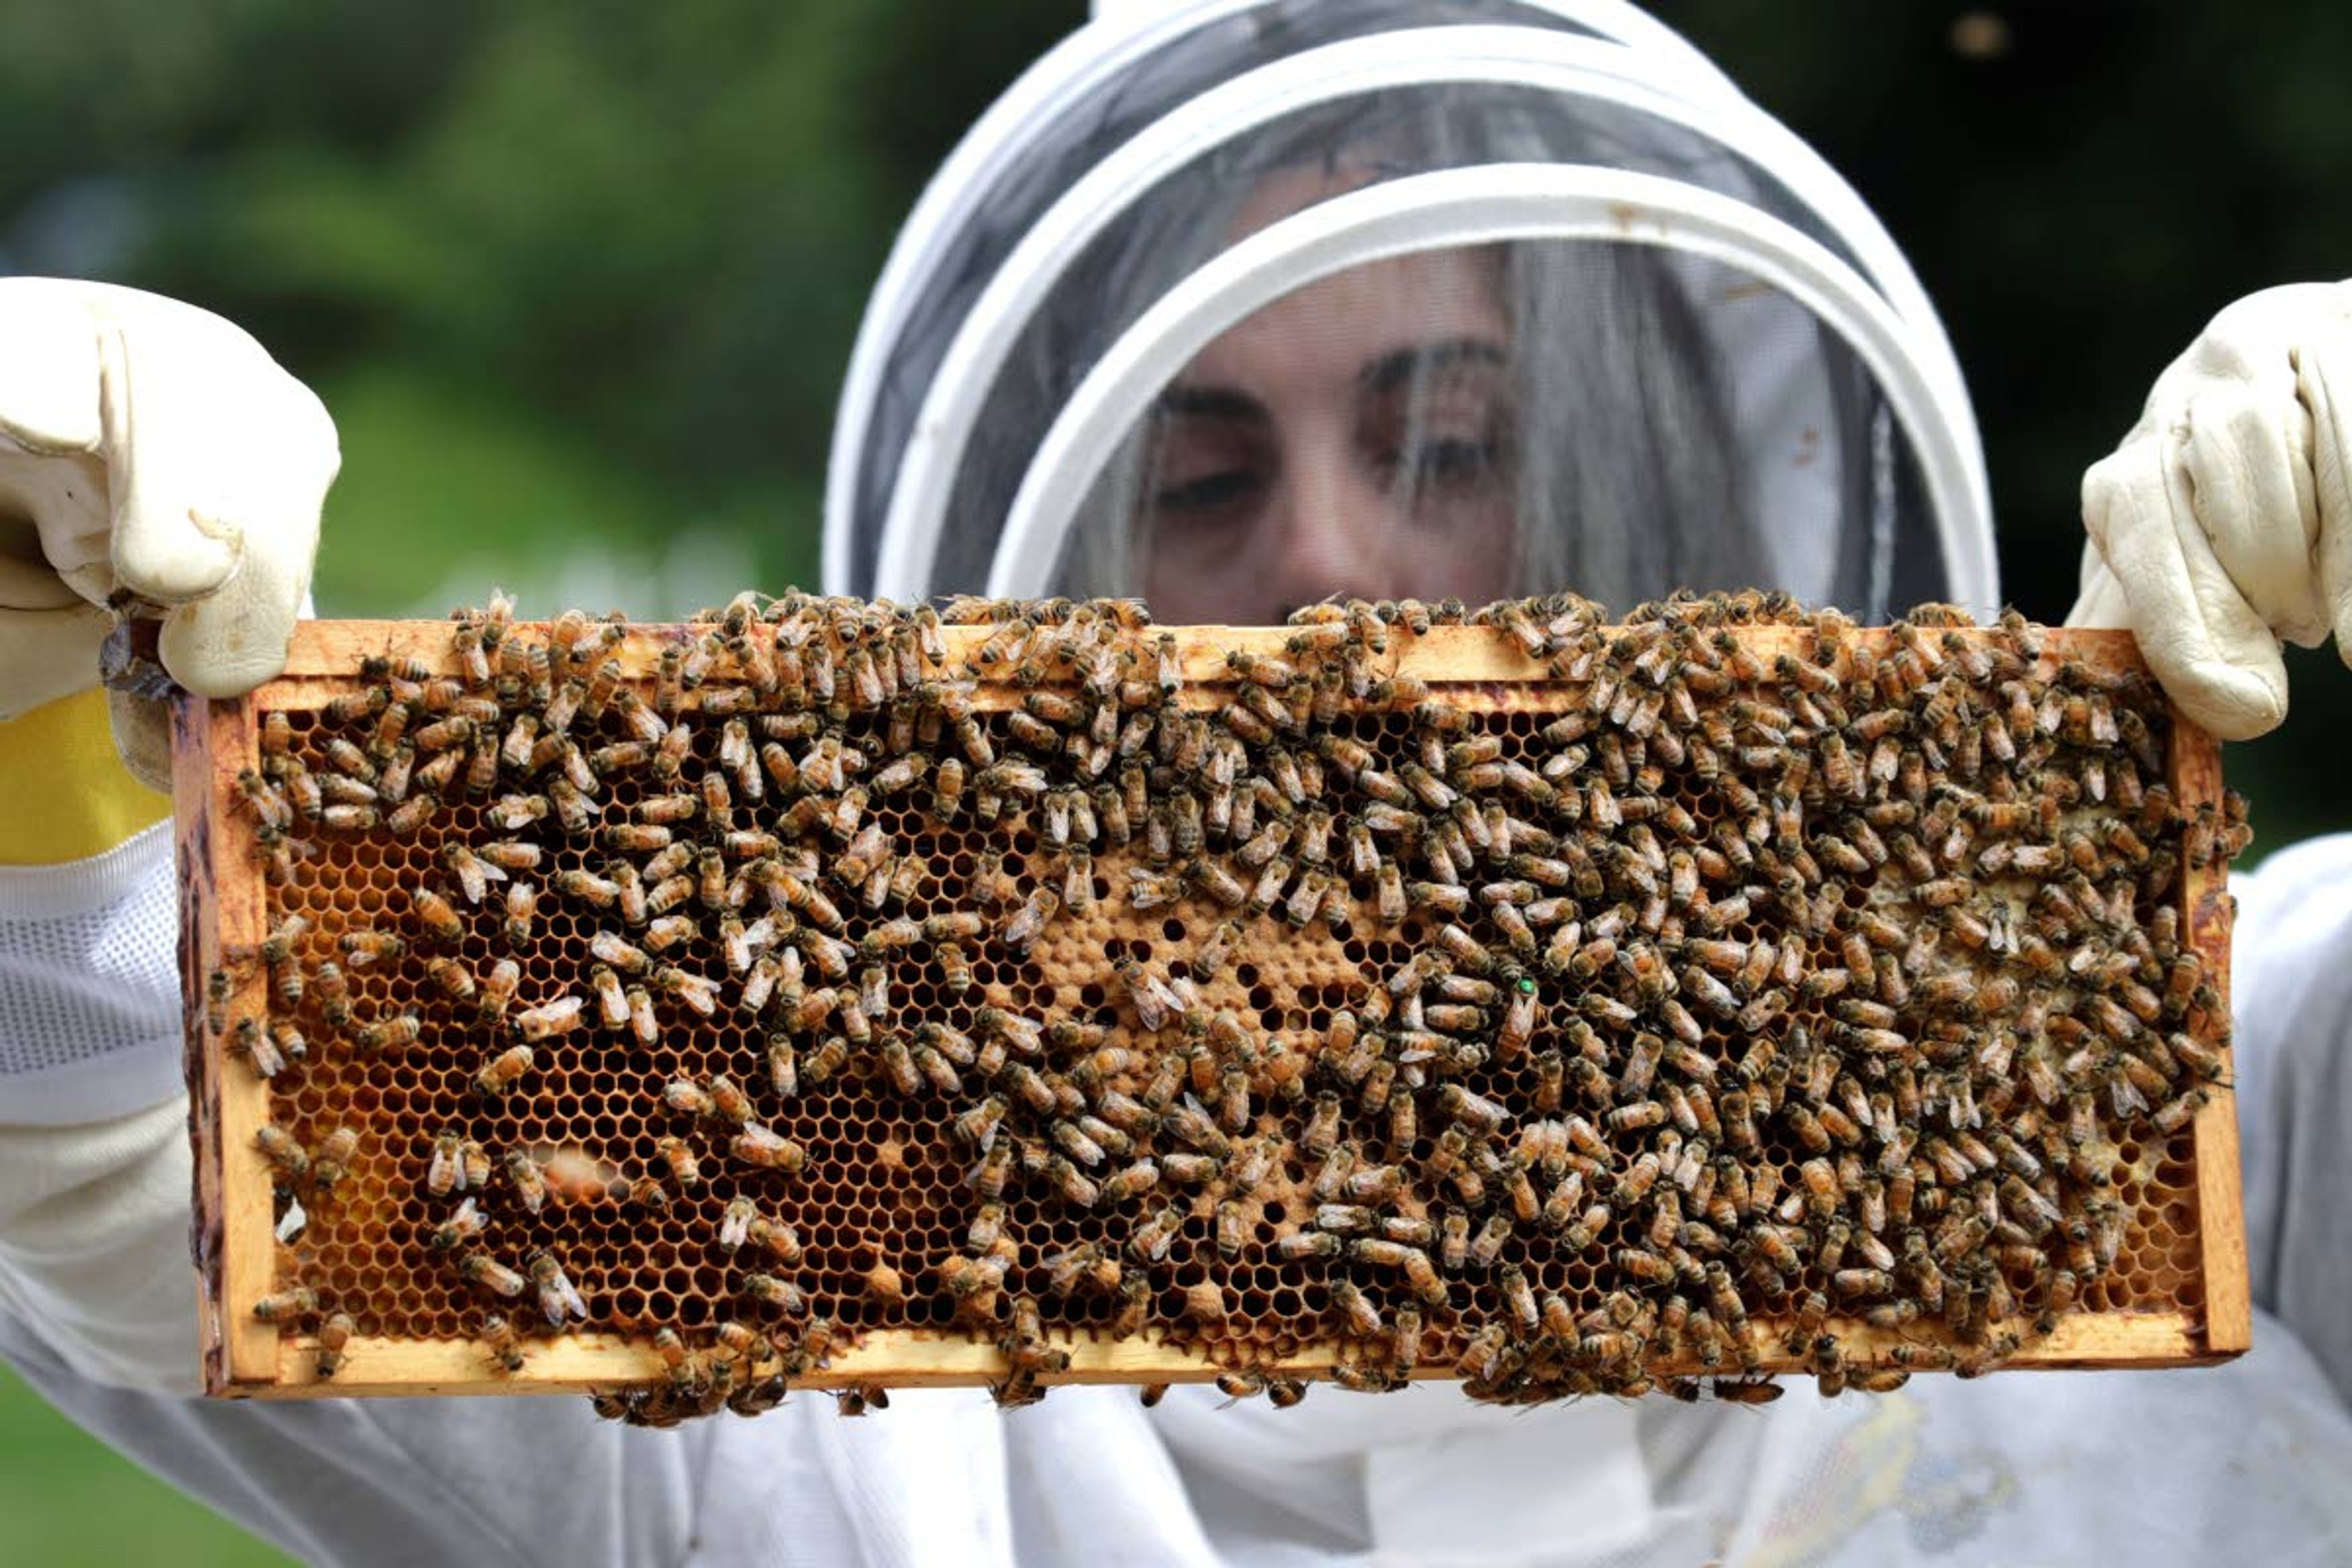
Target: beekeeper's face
{"points": [[1353, 438]]}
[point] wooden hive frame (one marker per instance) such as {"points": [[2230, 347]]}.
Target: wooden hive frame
{"points": [[225, 911]]}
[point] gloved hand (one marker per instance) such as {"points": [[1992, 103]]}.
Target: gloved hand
{"points": [[2223, 522], [152, 450]]}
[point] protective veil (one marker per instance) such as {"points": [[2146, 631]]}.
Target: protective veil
{"points": [[1703, 364]]}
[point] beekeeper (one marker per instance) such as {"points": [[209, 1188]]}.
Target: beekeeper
{"points": [[1238, 304]]}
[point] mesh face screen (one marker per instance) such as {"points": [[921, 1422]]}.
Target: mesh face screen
{"points": [[1484, 421], [1414, 128], [1574, 1006]]}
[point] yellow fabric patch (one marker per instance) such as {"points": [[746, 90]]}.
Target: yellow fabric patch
{"points": [[64, 794]]}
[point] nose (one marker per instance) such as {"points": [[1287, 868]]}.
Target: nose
{"points": [[1335, 532]]}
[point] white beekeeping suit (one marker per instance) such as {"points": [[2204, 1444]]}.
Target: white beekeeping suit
{"points": [[1637, 338]]}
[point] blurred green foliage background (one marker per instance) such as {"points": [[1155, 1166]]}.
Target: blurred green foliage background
{"points": [[579, 278]]}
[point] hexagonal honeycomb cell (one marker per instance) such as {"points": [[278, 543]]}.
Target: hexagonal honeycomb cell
{"points": [[816, 993]]}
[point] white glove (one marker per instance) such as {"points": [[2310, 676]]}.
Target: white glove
{"points": [[150, 449], [2223, 522]]}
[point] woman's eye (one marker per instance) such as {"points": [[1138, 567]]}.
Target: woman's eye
{"points": [[1441, 462], [1208, 492]]}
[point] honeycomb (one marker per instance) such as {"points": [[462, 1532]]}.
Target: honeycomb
{"points": [[1720, 993]]}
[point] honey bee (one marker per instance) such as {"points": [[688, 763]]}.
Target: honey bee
{"points": [[1987, 1357], [388, 1034], [335, 1336], [696, 992], [502, 1073], [1747, 1391], [778, 1240], [436, 915], [332, 992], [331, 1161], [559, 1299], [758, 1145], [523, 906], [493, 993], [669, 931], [472, 661], [285, 1306], [474, 873], [856, 1400], [361, 948], [501, 1344], [217, 1001], [278, 949], [465, 1225], [269, 1052], [550, 1019], [684, 1168], [284, 1150], [481, 1268], [1021, 931]]}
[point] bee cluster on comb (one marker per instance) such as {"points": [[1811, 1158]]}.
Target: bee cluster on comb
{"points": [[832, 993]]}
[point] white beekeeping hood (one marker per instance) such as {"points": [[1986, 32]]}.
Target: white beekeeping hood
{"points": [[1723, 372]]}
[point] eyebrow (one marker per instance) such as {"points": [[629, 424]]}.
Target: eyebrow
{"points": [[1380, 376], [1209, 403], [1385, 373]]}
